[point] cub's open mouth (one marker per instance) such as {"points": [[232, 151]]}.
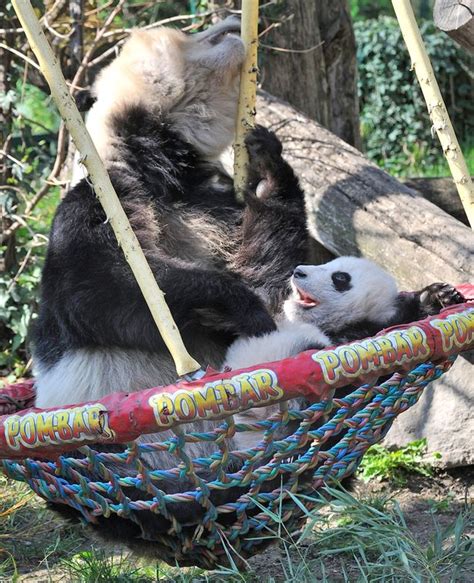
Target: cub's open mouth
{"points": [[305, 300]]}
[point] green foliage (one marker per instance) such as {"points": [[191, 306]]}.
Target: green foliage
{"points": [[362, 9], [34, 111], [97, 567], [31, 534], [443, 505], [33, 147], [382, 464], [440, 167], [395, 126]]}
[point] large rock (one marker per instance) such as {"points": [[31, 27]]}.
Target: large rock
{"points": [[443, 415], [355, 208]]}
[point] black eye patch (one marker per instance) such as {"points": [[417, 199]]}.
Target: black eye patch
{"points": [[341, 281]]}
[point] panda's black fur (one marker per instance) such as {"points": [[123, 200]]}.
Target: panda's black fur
{"points": [[89, 295], [163, 112]]}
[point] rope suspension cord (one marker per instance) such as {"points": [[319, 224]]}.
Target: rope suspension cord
{"points": [[436, 107], [185, 364], [248, 93]]}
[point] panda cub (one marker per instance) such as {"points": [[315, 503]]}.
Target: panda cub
{"points": [[346, 299]]}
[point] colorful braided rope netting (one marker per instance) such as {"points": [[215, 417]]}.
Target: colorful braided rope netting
{"points": [[229, 503]]}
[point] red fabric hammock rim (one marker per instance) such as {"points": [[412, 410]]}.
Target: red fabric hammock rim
{"points": [[314, 374]]}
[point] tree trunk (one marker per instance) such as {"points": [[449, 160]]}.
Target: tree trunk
{"points": [[5, 109], [355, 208], [442, 192], [76, 41], [456, 18], [9, 257], [309, 60]]}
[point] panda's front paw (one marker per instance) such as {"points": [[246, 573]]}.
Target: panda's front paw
{"points": [[270, 177], [262, 145], [437, 296]]}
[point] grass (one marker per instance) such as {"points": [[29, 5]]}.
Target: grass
{"points": [[382, 464], [441, 168], [416, 164], [31, 536], [99, 567], [37, 545], [351, 540], [443, 505], [376, 545]]}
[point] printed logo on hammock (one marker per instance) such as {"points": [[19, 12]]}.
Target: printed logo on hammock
{"points": [[358, 358], [223, 396], [61, 426], [456, 329]]}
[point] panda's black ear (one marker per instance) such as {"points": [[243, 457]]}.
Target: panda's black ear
{"points": [[84, 100]]}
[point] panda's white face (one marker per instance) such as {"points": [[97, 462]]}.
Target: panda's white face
{"points": [[345, 290], [218, 49], [192, 79]]}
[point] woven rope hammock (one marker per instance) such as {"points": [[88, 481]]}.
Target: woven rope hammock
{"points": [[278, 477]]}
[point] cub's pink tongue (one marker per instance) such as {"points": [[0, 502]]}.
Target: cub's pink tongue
{"points": [[306, 300]]}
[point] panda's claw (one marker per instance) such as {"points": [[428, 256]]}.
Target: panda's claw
{"points": [[440, 295]]}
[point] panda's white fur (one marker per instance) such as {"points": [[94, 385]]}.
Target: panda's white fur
{"points": [[91, 374], [372, 296], [291, 338], [188, 78]]}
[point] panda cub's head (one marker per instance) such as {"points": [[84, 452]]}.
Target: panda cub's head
{"points": [[189, 80], [344, 291]]}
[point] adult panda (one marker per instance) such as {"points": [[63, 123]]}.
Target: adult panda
{"points": [[164, 111], [347, 299]]}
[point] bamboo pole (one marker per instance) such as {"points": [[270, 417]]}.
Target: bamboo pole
{"points": [[105, 192], [436, 107], [248, 93]]}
